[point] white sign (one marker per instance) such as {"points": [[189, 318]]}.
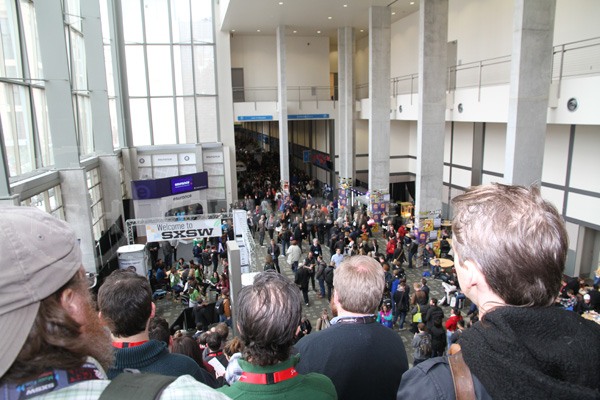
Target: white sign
{"points": [[164, 159], [183, 230], [212, 157]]}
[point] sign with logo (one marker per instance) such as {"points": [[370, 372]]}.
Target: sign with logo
{"points": [[183, 230]]}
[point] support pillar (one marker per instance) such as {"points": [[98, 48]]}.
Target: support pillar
{"points": [[284, 159], [379, 94], [345, 128], [433, 36], [530, 77]]}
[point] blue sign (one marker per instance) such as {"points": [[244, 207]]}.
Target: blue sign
{"points": [[308, 116], [306, 156], [255, 118]]}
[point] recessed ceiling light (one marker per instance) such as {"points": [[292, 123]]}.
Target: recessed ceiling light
{"points": [[393, 12], [233, 30], [295, 31], [345, 5], [412, 3], [281, 3], [258, 30], [318, 31], [362, 30], [329, 17]]}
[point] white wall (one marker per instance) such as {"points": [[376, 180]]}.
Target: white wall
{"points": [[405, 46], [576, 20], [555, 154], [307, 60], [483, 28], [586, 161]]}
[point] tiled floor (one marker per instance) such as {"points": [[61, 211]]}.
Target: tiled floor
{"points": [[171, 310]]}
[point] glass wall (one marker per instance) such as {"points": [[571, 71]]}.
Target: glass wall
{"points": [[23, 113], [170, 56]]}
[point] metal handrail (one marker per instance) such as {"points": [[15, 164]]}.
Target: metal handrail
{"points": [[497, 68]]}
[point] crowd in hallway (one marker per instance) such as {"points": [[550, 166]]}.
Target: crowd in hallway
{"points": [[379, 289]]}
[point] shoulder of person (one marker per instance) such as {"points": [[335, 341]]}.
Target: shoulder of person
{"points": [[187, 388]]}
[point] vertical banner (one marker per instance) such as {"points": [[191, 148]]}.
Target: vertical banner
{"points": [[344, 185], [378, 203]]}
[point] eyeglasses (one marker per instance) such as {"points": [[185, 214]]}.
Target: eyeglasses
{"points": [[92, 279]]}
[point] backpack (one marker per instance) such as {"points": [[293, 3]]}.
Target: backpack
{"points": [[136, 386], [425, 347]]}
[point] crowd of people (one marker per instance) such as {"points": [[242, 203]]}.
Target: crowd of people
{"points": [[513, 342]]}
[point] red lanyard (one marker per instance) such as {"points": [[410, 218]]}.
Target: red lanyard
{"points": [[123, 345], [270, 378]]}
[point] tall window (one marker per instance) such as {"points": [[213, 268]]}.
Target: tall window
{"points": [[77, 64], [23, 112], [49, 201], [170, 55], [95, 192]]}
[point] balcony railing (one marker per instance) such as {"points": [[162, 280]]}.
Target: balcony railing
{"points": [[569, 60]]}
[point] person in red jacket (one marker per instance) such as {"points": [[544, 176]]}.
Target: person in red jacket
{"points": [[390, 248], [455, 316]]}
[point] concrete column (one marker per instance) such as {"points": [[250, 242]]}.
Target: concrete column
{"points": [[61, 115], [530, 76], [78, 212], [379, 94], [225, 110], [96, 76], [112, 196], [284, 159], [345, 138], [433, 36]]}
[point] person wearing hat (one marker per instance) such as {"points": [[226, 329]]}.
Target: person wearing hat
{"points": [[53, 343], [585, 305]]}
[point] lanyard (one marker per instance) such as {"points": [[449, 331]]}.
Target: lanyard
{"points": [[269, 378], [124, 345], [49, 381]]}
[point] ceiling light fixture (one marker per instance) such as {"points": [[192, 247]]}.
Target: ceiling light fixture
{"points": [[258, 30], [318, 31], [362, 30], [393, 12], [345, 5], [412, 3], [295, 31], [233, 30], [329, 17], [281, 3]]}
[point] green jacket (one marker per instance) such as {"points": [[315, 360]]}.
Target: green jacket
{"points": [[310, 386]]}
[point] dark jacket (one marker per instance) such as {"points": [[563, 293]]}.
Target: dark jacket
{"points": [[153, 356], [432, 313]]}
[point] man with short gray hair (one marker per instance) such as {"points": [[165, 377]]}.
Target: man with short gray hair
{"points": [[364, 359]]}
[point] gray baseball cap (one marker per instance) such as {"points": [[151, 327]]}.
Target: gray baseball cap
{"points": [[38, 255]]}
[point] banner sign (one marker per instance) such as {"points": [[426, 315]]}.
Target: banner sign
{"points": [[183, 230]]}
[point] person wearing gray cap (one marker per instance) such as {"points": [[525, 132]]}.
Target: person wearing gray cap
{"points": [[54, 345]]}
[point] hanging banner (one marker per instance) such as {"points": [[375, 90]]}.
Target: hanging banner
{"points": [[183, 230]]}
